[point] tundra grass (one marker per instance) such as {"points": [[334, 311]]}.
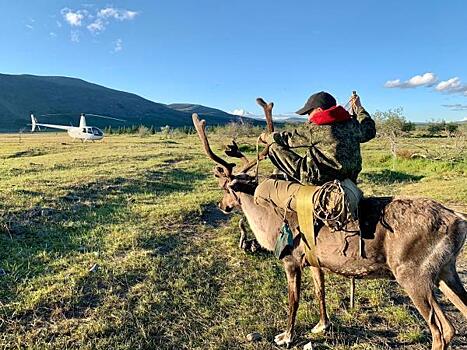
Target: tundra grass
{"points": [[118, 244]]}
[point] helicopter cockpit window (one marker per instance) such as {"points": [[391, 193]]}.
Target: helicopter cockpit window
{"points": [[84, 130], [89, 130], [97, 132]]}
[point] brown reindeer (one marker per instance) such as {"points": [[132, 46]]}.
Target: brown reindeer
{"points": [[413, 240]]}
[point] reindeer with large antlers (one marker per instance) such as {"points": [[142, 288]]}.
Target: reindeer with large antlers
{"points": [[415, 241]]}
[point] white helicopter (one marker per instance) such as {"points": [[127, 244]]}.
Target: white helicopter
{"points": [[81, 132]]}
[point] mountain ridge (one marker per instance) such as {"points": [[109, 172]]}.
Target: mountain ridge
{"points": [[22, 94]]}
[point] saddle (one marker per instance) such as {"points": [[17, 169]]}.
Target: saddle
{"points": [[334, 204]]}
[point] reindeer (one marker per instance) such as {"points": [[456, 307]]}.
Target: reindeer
{"points": [[415, 241]]}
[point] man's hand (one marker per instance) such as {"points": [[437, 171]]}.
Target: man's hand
{"points": [[355, 103]]}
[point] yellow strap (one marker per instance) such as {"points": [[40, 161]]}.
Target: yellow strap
{"points": [[304, 199]]}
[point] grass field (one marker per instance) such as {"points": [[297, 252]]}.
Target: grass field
{"points": [[119, 245]]}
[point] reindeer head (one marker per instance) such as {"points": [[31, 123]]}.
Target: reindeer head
{"points": [[232, 184]]}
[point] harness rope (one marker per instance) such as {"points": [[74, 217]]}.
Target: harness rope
{"points": [[340, 209]]}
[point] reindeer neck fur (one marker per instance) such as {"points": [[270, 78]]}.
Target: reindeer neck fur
{"points": [[264, 222]]}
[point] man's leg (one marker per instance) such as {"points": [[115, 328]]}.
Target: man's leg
{"points": [[279, 193]]}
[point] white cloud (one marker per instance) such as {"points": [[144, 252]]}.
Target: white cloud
{"points": [[52, 34], [427, 79], [97, 26], [105, 15], [59, 24], [393, 83], [29, 26], [118, 45], [452, 86], [95, 20], [74, 18], [119, 14], [456, 107], [74, 36]]}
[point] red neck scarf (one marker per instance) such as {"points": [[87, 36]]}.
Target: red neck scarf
{"points": [[330, 116]]}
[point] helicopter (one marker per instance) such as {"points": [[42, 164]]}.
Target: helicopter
{"points": [[82, 132]]}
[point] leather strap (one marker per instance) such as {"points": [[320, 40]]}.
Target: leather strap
{"points": [[304, 199]]}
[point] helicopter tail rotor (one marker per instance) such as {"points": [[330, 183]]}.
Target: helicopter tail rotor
{"points": [[34, 123]]}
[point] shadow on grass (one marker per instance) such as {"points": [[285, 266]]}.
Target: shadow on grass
{"points": [[27, 153], [160, 182], [387, 177], [352, 335], [62, 225], [61, 228], [212, 216]]}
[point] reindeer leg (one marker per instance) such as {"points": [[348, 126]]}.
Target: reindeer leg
{"points": [[420, 290], [318, 280], [247, 245], [243, 235], [451, 286], [294, 276]]}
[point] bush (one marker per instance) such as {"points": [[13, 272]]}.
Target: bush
{"points": [[165, 131], [392, 125], [405, 154], [144, 131], [235, 130], [408, 126], [441, 127]]}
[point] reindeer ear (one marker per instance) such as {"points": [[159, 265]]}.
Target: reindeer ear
{"points": [[237, 185], [232, 150], [219, 171]]}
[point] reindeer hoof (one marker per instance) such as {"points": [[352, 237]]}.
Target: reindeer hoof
{"points": [[321, 328], [283, 339], [250, 245]]}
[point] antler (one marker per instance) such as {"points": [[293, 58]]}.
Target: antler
{"points": [[200, 126], [233, 151], [267, 107]]}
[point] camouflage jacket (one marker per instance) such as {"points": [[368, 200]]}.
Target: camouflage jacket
{"points": [[332, 151]]}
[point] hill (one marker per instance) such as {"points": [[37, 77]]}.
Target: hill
{"points": [[201, 110], [22, 94]]}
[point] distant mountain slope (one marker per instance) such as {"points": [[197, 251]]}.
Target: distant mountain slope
{"points": [[201, 110], [22, 94]]}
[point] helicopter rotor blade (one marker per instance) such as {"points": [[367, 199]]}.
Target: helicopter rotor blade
{"points": [[104, 117], [52, 114]]}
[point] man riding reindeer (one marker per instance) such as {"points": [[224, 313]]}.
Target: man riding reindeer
{"points": [[321, 184], [333, 149]]}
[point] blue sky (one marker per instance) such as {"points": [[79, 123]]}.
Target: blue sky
{"points": [[224, 54]]}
